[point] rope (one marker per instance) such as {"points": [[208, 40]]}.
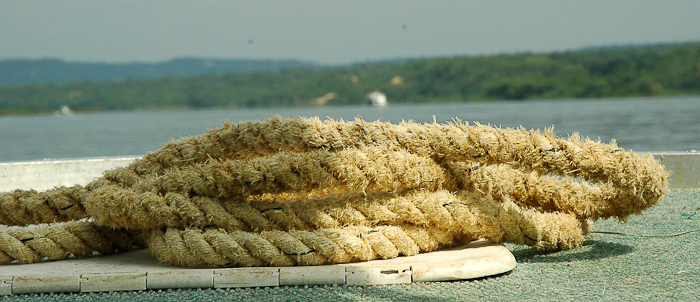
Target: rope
{"points": [[442, 218], [526, 150], [304, 192], [57, 242]]}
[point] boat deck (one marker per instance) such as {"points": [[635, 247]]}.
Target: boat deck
{"points": [[608, 267]]}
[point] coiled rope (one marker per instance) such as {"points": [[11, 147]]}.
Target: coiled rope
{"points": [[303, 191]]}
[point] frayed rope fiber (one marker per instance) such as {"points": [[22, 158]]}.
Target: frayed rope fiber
{"points": [[303, 191]]}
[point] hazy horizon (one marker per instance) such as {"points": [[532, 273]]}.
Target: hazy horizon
{"points": [[330, 32], [341, 63]]}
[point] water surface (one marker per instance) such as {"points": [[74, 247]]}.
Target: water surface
{"points": [[640, 124]]}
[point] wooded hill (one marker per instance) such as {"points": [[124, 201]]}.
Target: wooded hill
{"points": [[27, 71], [651, 70]]}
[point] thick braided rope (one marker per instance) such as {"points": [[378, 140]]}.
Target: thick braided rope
{"points": [[57, 242], [310, 232], [546, 193], [463, 219], [155, 189], [367, 169], [640, 176], [21, 207], [373, 169], [638, 181], [351, 169], [525, 150]]}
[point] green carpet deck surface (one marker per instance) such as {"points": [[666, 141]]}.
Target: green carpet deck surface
{"points": [[607, 268]]}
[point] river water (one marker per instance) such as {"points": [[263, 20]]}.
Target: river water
{"points": [[639, 124]]}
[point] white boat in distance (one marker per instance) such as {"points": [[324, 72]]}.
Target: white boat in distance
{"points": [[65, 111], [377, 99]]}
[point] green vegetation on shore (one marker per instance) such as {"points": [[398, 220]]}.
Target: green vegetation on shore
{"points": [[26, 71], [653, 70]]}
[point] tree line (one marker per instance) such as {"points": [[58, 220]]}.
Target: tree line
{"points": [[649, 70], [26, 71]]}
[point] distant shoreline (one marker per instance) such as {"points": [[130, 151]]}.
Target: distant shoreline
{"points": [[631, 71], [175, 109]]}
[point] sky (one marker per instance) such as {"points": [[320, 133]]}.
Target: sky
{"points": [[329, 31]]}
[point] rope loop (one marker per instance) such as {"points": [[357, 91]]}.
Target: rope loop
{"points": [[303, 191]]}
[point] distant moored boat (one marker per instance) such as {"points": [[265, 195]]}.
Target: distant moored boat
{"points": [[377, 99], [65, 111]]}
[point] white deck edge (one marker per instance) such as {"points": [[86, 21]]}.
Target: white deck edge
{"points": [[684, 167], [45, 174], [137, 270]]}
